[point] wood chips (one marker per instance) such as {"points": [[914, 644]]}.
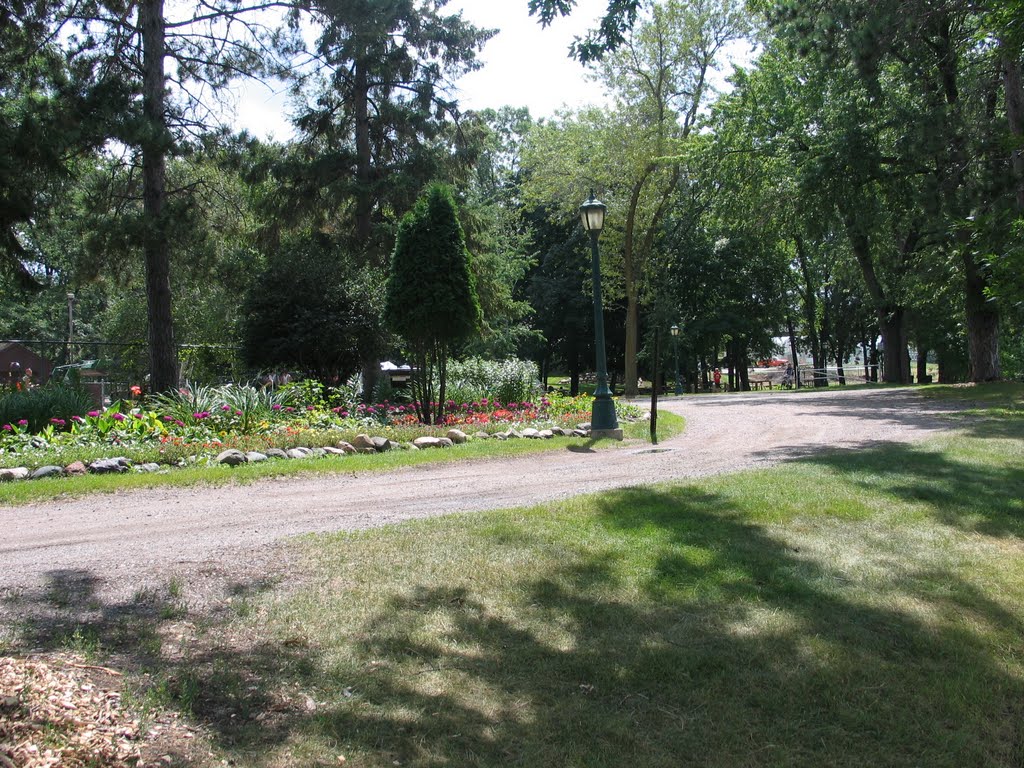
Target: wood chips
{"points": [[59, 712]]}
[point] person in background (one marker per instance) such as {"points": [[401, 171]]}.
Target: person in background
{"points": [[718, 378]]}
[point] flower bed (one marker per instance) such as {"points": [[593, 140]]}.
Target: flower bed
{"points": [[197, 424]]}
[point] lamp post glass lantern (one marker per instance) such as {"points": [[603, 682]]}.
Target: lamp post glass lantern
{"points": [[675, 344], [602, 418]]}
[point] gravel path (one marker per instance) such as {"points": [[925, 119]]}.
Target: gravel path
{"points": [[118, 542]]}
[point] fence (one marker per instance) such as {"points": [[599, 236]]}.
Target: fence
{"points": [[807, 376], [110, 368]]}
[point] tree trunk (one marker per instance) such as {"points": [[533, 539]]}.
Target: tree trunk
{"points": [[163, 357], [840, 370], [922, 364], [893, 327], [982, 325], [1014, 92], [364, 198], [632, 338], [742, 366], [371, 373], [810, 302]]}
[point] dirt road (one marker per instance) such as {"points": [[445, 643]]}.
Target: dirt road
{"points": [[123, 540]]}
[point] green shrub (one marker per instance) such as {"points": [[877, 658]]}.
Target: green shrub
{"points": [[40, 404], [508, 381]]}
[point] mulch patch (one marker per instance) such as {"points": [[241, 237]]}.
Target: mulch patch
{"points": [[57, 710]]}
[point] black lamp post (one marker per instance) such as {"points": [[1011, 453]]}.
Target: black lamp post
{"points": [[675, 344], [602, 420]]}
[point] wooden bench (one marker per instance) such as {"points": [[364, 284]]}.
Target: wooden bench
{"points": [[760, 383]]}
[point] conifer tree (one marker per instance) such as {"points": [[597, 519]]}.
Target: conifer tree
{"points": [[431, 295]]}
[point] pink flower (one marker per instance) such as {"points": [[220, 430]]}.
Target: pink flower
{"points": [[168, 418], [276, 406], [225, 407], [344, 414], [58, 422], [289, 409], [179, 422], [118, 417], [22, 422], [135, 389], [93, 414], [8, 427], [238, 413], [310, 407], [137, 415], [79, 419], [200, 415]]}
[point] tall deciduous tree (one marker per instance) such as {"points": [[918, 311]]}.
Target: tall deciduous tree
{"points": [[660, 80], [934, 50], [431, 294]]}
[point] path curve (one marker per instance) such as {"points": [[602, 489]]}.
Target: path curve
{"points": [[126, 539]]}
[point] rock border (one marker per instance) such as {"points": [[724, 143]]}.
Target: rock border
{"points": [[362, 443]]}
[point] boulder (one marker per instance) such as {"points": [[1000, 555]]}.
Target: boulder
{"points": [[13, 473], [381, 444], [47, 471], [481, 435], [275, 453], [532, 433], [148, 468], [500, 436], [232, 457], [457, 436], [432, 442], [298, 453], [109, 466], [330, 450], [585, 426], [75, 468], [346, 447], [546, 434], [367, 450], [319, 452], [363, 441], [255, 457], [513, 433], [560, 432], [580, 433]]}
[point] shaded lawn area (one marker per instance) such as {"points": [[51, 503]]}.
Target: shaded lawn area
{"points": [[850, 609]]}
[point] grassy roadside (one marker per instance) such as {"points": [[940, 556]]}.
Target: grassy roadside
{"points": [[25, 492]]}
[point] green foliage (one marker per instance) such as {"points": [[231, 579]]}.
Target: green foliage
{"points": [[37, 406], [312, 309], [431, 292], [255, 404], [509, 381]]}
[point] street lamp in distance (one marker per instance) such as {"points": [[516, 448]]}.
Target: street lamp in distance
{"points": [[675, 343], [603, 422]]}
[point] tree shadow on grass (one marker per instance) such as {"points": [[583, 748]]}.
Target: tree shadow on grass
{"points": [[967, 495], [732, 649]]}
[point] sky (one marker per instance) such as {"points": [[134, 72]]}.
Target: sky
{"points": [[523, 65]]}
